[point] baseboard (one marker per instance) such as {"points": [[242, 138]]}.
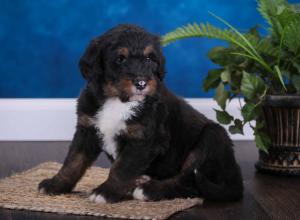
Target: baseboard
{"points": [[55, 119]]}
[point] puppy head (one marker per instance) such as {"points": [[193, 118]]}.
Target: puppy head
{"points": [[125, 62]]}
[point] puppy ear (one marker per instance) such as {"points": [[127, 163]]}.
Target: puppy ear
{"points": [[161, 69], [91, 61], [161, 59]]}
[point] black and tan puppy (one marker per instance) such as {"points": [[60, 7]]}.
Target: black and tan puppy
{"points": [[159, 146]]}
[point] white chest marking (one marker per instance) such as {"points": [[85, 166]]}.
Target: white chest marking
{"points": [[110, 120]]}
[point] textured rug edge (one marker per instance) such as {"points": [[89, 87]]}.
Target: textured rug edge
{"points": [[36, 167], [192, 201], [197, 201]]}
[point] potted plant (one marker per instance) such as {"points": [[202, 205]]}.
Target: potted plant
{"points": [[265, 71]]}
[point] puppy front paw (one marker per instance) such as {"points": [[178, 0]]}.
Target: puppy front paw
{"points": [[54, 186]]}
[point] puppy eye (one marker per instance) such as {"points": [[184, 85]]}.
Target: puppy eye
{"points": [[150, 59], [121, 59]]}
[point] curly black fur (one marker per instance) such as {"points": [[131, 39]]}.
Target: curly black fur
{"points": [[184, 153]]}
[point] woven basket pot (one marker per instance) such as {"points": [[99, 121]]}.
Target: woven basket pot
{"points": [[282, 117]]}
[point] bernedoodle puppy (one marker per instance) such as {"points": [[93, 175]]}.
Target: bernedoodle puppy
{"points": [[159, 146]]}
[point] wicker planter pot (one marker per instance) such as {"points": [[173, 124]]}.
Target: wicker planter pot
{"points": [[282, 116]]}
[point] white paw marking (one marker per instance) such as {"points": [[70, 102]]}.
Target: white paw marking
{"points": [[42, 190], [138, 194], [195, 171], [97, 198]]}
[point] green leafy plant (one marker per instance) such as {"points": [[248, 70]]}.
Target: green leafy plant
{"points": [[251, 66]]}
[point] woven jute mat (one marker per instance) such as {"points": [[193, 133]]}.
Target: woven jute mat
{"points": [[20, 192]]}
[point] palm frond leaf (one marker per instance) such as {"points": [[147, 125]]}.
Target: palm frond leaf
{"points": [[209, 31], [291, 39], [269, 9]]}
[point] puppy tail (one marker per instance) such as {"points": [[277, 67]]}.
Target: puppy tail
{"points": [[231, 189]]}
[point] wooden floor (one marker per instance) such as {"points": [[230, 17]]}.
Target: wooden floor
{"points": [[265, 197]]}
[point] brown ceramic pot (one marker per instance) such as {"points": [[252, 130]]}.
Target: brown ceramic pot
{"points": [[282, 117]]}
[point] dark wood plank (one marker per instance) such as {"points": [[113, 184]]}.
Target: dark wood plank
{"points": [[280, 196], [247, 209], [19, 156]]}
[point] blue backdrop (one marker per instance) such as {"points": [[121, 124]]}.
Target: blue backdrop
{"points": [[42, 40]]}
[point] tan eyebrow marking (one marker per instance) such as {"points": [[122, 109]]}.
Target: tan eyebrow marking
{"points": [[149, 49], [123, 51]]}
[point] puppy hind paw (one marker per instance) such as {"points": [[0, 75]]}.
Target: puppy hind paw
{"points": [[97, 198], [139, 194]]}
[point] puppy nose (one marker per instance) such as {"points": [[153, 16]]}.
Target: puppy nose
{"points": [[140, 84]]}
